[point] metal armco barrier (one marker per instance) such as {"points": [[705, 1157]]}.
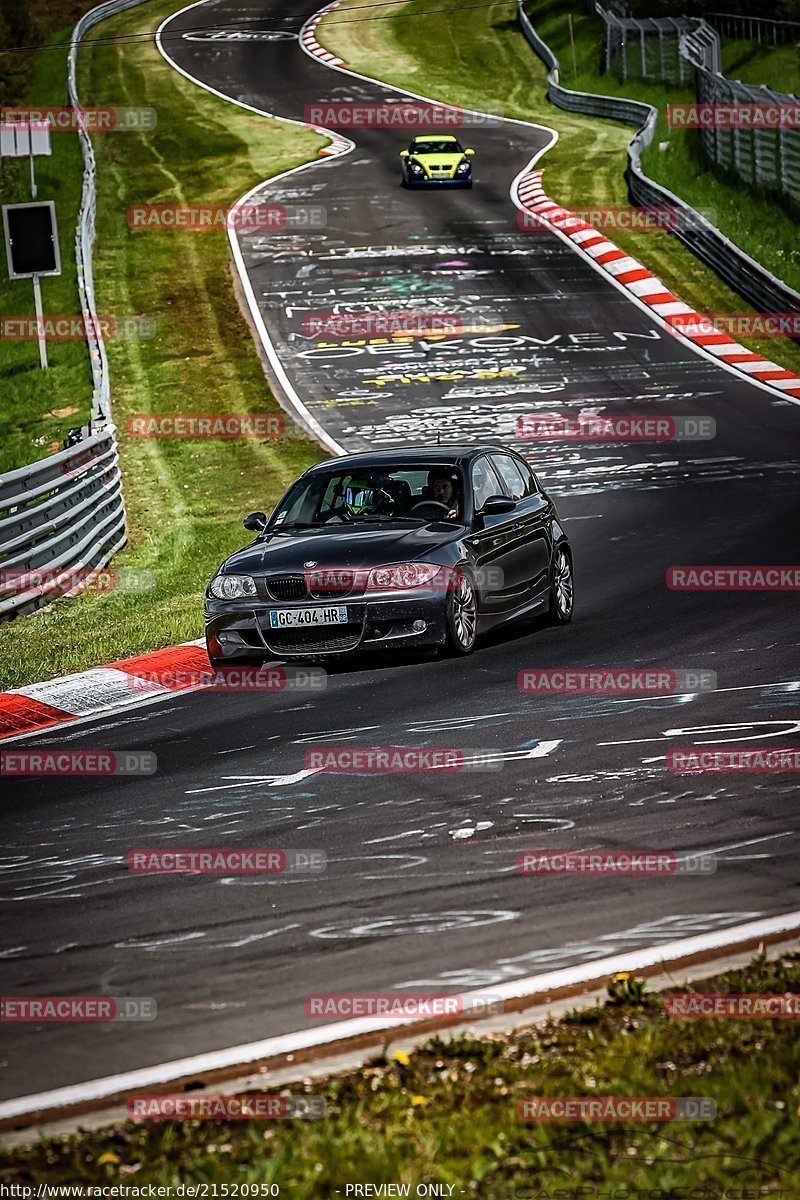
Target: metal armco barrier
{"points": [[754, 282], [63, 516], [60, 518]]}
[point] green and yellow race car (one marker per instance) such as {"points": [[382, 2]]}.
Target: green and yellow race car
{"points": [[434, 159]]}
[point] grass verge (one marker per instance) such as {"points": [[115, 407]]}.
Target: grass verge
{"points": [[40, 406], [762, 224], [447, 1114], [480, 59], [779, 66], [185, 499]]}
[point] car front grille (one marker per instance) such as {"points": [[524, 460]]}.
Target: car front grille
{"points": [[313, 641], [322, 584], [287, 587]]}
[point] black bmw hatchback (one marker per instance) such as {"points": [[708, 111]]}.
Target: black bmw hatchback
{"points": [[406, 547]]}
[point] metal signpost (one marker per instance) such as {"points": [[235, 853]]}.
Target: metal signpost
{"points": [[20, 140], [32, 250]]}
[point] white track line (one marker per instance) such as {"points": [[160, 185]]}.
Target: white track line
{"points": [[234, 1056], [96, 1090], [309, 422], [674, 331]]}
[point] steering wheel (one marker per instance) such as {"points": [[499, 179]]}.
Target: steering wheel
{"points": [[387, 496], [428, 508]]}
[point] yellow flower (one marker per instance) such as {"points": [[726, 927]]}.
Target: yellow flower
{"points": [[401, 1057], [417, 1101], [108, 1157], [620, 975]]}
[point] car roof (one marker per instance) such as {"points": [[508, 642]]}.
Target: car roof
{"points": [[408, 455], [439, 137]]}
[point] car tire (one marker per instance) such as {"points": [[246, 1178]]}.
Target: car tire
{"points": [[562, 587], [461, 616]]}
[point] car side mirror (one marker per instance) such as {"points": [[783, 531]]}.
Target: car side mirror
{"points": [[470, 153], [404, 154], [496, 505], [255, 522]]}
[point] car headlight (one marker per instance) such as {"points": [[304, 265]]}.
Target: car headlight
{"points": [[415, 167], [403, 575], [464, 168], [231, 587]]}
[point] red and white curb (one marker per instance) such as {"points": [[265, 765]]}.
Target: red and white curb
{"points": [[100, 690], [309, 41], [640, 282]]}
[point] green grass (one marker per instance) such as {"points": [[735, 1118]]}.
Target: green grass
{"points": [[482, 60], [185, 499], [779, 66], [40, 406], [762, 224], [447, 1114]]}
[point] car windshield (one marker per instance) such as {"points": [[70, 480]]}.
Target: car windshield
{"points": [[371, 495], [436, 147]]}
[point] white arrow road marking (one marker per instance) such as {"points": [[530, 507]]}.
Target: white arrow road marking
{"points": [[252, 780], [786, 727]]}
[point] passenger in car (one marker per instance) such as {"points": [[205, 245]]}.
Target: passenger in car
{"points": [[444, 486]]}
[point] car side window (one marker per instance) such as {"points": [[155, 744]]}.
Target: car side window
{"points": [[532, 486], [511, 475], [484, 482]]}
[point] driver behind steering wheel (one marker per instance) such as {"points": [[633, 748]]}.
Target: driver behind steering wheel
{"points": [[444, 489]]}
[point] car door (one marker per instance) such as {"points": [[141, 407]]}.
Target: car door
{"points": [[528, 551], [491, 539]]}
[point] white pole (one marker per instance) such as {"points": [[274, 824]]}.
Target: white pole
{"points": [[572, 43], [33, 177], [37, 297]]}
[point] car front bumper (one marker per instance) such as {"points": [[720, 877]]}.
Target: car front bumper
{"points": [[424, 181], [241, 628]]}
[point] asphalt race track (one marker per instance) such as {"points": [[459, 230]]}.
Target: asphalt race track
{"points": [[422, 889]]}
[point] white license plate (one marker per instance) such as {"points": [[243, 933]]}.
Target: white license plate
{"points": [[293, 618]]}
